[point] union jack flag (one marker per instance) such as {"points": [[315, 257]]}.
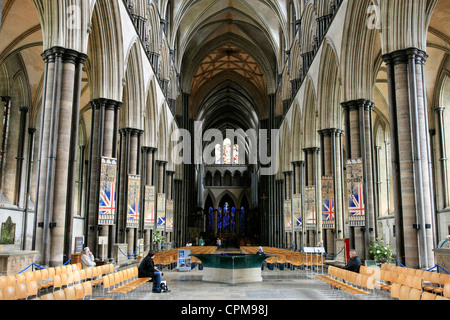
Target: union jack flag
{"points": [[133, 210], [356, 206], [328, 213], [107, 205], [328, 209], [108, 201]]}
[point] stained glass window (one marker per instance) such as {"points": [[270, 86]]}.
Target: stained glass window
{"points": [[242, 219], [219, 218], [227, 151], [226, 216], [210, 218], [236, 154], [233, 219], [218, 154]]}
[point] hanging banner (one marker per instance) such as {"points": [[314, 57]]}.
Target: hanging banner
{"points": [[169, 215], [355, 184], [161, 212], [297, 211], [287, 216], [108, 194], [134, 188], [310, 206], [149, 206], [328, 208]]}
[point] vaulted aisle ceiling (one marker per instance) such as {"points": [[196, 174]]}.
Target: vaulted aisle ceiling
{"points": [[229, 49]]}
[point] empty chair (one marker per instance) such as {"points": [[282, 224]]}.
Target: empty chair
{"points": [[21, 291], [428, 296], [395, 290], [9, 293], [79, 291], [2, 282], [415, 294], [48, 296], [404, 293], [20, 278], [70, 293], [59, 295], [87, 287], [32, 289]]}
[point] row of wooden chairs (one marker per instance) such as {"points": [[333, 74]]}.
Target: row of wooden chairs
{"points": [[392, 278], [169, 258], [33, 283], [348, 281], [287, 257], [123, 282]]}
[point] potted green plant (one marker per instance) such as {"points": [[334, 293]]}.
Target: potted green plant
{"points": [[380, 251], [158, 240]]}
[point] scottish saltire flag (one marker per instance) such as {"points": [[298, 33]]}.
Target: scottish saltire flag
{"points": [[161, 211], [108, 194]]}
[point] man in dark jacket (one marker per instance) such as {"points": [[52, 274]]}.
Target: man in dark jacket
{"points": [[147, 269], [354, 263]]}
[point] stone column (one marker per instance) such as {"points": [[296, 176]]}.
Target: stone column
{"points": [[103, 143], [312, 174], [148, 155], [411, 157], [58, 139], [359, 144], [331, 166], [288, 196], [128, 165], [299, 168], [442, 156]]}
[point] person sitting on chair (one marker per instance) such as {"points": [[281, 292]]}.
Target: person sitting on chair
{"points": [[147, 269], [87, 260], [354, 263]]}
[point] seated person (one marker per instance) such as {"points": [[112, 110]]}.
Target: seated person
{"points": [[87, 260], [147, 269], [354, 263], [260, 251]]}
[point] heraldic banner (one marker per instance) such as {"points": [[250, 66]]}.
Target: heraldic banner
{"points": [[287, 216], [169, 215], [108, 194], [355, 184], [328, 211], [149, 207], [134, 188], [161, 212], [310, 206], [297, 211]]}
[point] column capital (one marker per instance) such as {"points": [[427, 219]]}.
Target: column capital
{"points": [[67, 55], [356, 104], [405, 55]]}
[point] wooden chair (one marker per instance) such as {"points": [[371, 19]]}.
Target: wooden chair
{"points": [[32, 289], [21, 291], [428, 296], [9, 293], [70, 293], [48, 296], [87, 287], [415, 294], [417, 283], [434, 282], [57, 283], [79, 291], [446, 291], [59, 295], [395, 290], [20, 278], [3, 282], [404, 293], [11, 280]]}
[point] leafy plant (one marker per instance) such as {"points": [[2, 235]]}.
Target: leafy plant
{"points": [[380, 251], [157, 237]]}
